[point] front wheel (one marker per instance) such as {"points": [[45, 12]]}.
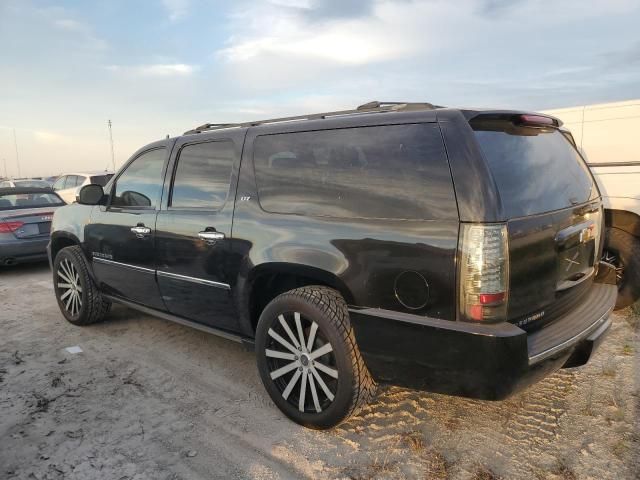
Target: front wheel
{"points": [[308, 358], [622, 250], [78, 297]]}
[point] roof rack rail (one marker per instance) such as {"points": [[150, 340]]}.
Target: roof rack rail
{"points": [[371, 107]]}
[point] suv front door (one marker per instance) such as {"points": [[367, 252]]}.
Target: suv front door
{"points": [[120, 237], [194, 229]]}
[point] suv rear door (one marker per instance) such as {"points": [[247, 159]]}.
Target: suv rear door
{"points": [[194, 228], [553, 212], [120, 237]]}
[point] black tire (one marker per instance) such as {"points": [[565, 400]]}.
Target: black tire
{"points": [[352, 389], [79, 299], [623, 251]]}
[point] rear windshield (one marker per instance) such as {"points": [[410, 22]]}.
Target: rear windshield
{"points": [[536, 169], [16, 201], [32, 184], [101, 179]]}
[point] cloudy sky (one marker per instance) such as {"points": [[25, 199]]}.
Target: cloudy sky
{"points": [[159, 67]]}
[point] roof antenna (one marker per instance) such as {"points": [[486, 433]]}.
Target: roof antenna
{"points": [[113, 158]]}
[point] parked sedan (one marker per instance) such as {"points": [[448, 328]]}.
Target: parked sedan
{"points": [[25, 222], [68, 185]]}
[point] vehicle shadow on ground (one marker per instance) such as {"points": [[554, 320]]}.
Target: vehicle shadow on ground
{"points": [[7, 272]]}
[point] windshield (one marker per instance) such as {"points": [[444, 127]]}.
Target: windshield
{"points": [[16, 201], [32, 184], [535, 169]]}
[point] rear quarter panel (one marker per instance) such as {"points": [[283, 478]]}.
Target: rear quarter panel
{"points": [[364, 256]]}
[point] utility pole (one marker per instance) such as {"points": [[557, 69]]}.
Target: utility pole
{"points": [[15, 142], [113, 158]]}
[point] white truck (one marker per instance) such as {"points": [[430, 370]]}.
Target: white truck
{"points": [[608, 135]]}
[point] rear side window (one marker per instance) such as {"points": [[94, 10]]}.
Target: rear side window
{"points": [[100, 179], [72, 181], [397, 171], [141, 183], [536, 169], [202, 175]]}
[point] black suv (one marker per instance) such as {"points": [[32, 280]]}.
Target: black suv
{"points": [[441, 249]]}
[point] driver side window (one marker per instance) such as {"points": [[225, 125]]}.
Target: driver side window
{"points": [[139, 186]]}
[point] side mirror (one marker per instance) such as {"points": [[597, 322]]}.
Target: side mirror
{"points": [[91, 195]]}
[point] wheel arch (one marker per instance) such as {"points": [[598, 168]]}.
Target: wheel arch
{"points": [[265, 282], [60, 240], [623, 220]]}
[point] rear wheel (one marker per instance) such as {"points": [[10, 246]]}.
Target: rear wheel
{"points": [[78, 298], [622, 250], [308, 358]]}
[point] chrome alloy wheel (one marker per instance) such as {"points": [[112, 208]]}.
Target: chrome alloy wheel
{"points": [[301, 364], [70, 288]]}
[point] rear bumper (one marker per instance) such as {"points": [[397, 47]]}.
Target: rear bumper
{"points": [[24, 250], [478, 361]]}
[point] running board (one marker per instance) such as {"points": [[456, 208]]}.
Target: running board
{"points": [[247, 342]]}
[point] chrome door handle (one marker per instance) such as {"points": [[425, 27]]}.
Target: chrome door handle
{"points": [[211, 236], [141, 231]]}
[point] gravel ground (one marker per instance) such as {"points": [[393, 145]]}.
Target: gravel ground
{"points": [[149, 399]]}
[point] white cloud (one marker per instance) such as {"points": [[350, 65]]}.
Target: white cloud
{"points": [[156, 70], [68, 24], [44, 136], [177, 9], [269, 30]]}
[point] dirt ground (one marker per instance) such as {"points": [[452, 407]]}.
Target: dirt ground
{"points": [[149, 399]]}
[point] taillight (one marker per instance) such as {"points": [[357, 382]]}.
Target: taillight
{"points": [[8, 227], [484, 272], [598, 224]]}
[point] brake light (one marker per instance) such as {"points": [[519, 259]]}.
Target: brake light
{"points": [[8, 227], [484, 272], [537, 120]]}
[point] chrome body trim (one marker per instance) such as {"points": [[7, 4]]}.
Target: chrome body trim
{"points": [[125, 265], [200, 281]]}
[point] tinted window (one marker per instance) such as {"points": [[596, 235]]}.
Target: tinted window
{"points": [[100, 179], [398, 171], [535, 169], [140, 184], [202, 175], [72, 181], [29, 200]]}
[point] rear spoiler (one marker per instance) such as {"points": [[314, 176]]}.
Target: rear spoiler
{"points": [[532, 119]]}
